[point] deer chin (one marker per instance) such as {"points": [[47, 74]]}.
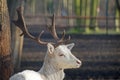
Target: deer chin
{"points": [[69, 66], [78, 66]]}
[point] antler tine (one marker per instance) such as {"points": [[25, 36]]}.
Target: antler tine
{"points": [[62, 38], [40, 34], [21, 24], [52, 28], [38, 38]]}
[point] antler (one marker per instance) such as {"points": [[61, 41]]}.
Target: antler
{"points": [[52, 30], [20, 22]]}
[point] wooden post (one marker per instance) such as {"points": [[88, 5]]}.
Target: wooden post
{"points": [[5, 40]]}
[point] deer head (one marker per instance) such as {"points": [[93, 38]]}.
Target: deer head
{"points": [[62, 57]]}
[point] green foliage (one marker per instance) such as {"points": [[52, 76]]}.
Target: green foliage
{"points": [[100, 31], [117, 21], [89, 8], [86, 8], [76, 30]]}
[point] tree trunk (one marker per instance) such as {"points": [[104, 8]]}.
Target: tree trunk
{"points": [[17, 41], [5, 42]]}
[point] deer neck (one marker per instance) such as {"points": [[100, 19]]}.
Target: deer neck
{"points": [[51, 72]]}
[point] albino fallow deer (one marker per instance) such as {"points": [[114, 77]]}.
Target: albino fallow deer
{"points": [[58, 56]]}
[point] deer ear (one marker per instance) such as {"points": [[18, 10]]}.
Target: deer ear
{"points": [[70, 46], [50, 48]]}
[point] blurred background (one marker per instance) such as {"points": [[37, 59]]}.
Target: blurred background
{"points": [[94, 26]]}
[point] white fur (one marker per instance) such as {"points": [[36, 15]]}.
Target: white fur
{"points": [[56, 60]]}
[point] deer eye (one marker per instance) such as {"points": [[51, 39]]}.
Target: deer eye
{"points": [[61, 55]]}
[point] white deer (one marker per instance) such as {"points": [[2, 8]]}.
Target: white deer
{"points": [[58, 56], [56, 60]]}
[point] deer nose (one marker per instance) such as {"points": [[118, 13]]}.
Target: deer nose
{"points": [[78, 62]]}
